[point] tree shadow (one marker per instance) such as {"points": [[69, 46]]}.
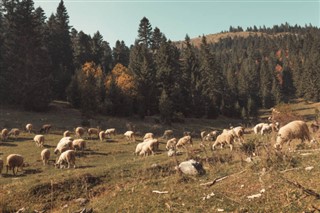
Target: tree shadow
{"points": [[84, 167], [7, 144]]}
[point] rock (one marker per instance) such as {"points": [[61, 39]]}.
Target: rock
{"points": [[191, 167], [309, 168], [81, 201]]}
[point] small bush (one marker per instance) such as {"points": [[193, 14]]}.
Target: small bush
{"points": [[249, 147]]}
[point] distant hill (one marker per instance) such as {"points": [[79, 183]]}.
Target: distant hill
{"points": [[215, 38]]}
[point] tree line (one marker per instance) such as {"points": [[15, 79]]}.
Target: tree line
{"points": [[43, 59]]}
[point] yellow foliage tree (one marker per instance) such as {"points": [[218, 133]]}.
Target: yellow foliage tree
{"points": [[90, 68], [123, 79]]}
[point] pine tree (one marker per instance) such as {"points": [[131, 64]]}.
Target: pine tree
{"points": [[60, 49], [121, 53], [165, 108], [145, 32]]}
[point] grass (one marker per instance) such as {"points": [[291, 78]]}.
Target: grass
{"points": [[112, 179]]}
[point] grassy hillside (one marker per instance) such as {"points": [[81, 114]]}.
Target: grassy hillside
{"points": [[109, 178]]}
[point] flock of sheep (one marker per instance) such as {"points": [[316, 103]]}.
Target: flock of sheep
{"points": [[68, 146]]}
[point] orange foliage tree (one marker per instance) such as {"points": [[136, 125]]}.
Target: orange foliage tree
{"points": [[123, 79]]}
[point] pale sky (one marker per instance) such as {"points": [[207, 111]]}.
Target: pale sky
{"points": [[119, 20]]}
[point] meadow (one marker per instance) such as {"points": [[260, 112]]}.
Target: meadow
{"points": [[110, 178]]}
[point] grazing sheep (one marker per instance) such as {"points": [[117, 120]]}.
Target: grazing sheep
{"points": [[15, 132], [79, 144], [13, 161], [66, 133], [29, 128], [68, 157], [110, 132], [183, 141], [93, 131], [203, 135], [149, 147], [314, 127], [4, 134], [1, 166], [39, 139], [224, 138], [139, 147], [211, 136], [168, 134], [79, 132], [64, 144], [293, 130], [102, 135], [45, 156], [257, 128], [238, 133], [171, 144], [148, 135], [45, 128], [130, 135]]}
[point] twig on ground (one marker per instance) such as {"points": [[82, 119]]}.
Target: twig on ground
{"points": [[220, 179]]}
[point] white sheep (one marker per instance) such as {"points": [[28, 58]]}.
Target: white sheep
{"points": [[168, 134], [79, 131], [93, 131], [203, 135], [15, 132], [64, 144], [13, 161], [130, 135], [224, 138], [211, 136], [257, 128], [39, 139], [1, 166], [238, 133], [171, 144], [4, 134], [66, 133], [139, 147], [68, 157], [29, 127], [45, 128], [79, 144], [148, 135], [45, 156], [183, 141], [293, 130], [110, 132], [149, 147], [102, 135]]}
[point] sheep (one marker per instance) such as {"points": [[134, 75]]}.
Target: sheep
{"points": [[171, 143], [66, 133], [257, 128], [68, 157], [110, 132], [203, 135], [4, 134], [139, 147], [64, 144], [29, 128], [130, 135], [13, 161], [224, 138], [186, 133], [102, 135], [238, 133], [39, 139], [15, 132], [1, 166], [93, 131], [79, 144], [45, 128], [149, 147], [293, 130], [148, 135], [315, 127], [79, 131], [211, 136], [168, 134], [183, 141], [45, 156]]}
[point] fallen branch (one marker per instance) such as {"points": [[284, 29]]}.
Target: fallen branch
{"points": [[304, 189], [220, 179], [287, 170]]}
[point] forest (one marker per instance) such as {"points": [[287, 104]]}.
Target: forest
{"points": [[44, 59]]}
